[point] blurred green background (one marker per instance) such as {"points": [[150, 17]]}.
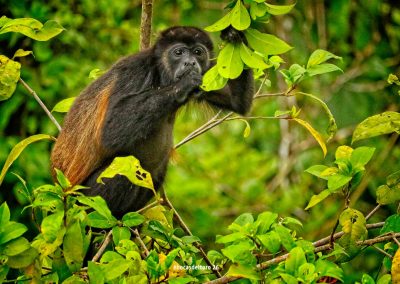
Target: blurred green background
{"points": [[220, 174]]}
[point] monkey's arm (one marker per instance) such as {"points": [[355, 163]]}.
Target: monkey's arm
{"points": [[237, 95], [133, 117]]}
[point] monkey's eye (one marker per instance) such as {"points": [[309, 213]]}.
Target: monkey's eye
{"points": [[198, 51], [178, 51]]}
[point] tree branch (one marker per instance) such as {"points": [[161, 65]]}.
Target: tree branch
{"points": [[101, 250], [37, 98], [145, 24]]}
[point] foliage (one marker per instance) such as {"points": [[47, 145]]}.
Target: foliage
{"points": [[149, 246]]}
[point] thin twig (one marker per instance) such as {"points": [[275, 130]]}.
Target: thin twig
{"points": [[148, 206], [139, 239], [183, 225], [383, 252], [373, 212], [145, 24], [37, 98], [101, 250]]}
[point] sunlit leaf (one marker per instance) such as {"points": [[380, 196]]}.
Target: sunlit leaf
{"points": [[380, 124], [17, 150], [240, 18], [212, 80], [22, 53], [295, 259], [64, 105], [315, 199], [279, 9], [221, 24], [320, 56], [73, 247], [96, 73], [31, 28], [129, 167], [132, 219], [229, 62], [9, 76], [251, 59], [266, 44], [314, 133], [245, 271], [387, 195], [322, 69]]}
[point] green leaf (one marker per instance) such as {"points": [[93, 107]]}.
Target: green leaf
{"points": [[73, 247], [221, 24], [64, 105], [120, 233], [387, 195], [22, 53], [240, 253], [125, 246], [11, 231], [392, 224], [329, 269], [384, 279], [266, 44], [285, 236], [264, 221], [3, 272], [257, 10], [317, 171], [320, 56], [376, 125], [23, 259], [212, 80], [115, 269], [337, 181], [322, 69], [361, 156], [391, 180], [317, 136], [270, 241], [315, 199], [16, 246], [332, 127], [214, 256], [132, 219], [129, 167], [17, 150], [96, 220], [251, 59], [279, 9], [240, 18], [230, 238], [31, 28], [229, 63], [243, 219], [353, 223], [343, 152], [95, 273], [98, 204], [4, 214], [295, 259], [96, 73], [243, 271], [9, 76], [247, 130], [51, 226], [366, 279], [393, 79]]}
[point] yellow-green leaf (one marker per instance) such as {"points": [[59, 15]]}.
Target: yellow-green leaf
{"points": [[266, 44], [212, 80], [353, 223], [9, 76], [313, 132], [279, 9], [64, 105], [251, 59], [379, 124], [17, 150], [247, 130], [240, 18], [229, 63], [22, 53], [396, 267], [129, 167], [96, 73], [315, 199], [320, 56], [244, 271], [220, 24], [343, 152], [387, 195], [31, 28]]}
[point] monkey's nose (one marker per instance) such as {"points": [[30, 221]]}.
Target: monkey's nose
{"points": [[190, 63]]}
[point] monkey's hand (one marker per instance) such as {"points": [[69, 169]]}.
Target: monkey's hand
{"points": [[231, 35], [187, 85]]}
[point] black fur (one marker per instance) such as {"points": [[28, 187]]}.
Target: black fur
{"points": [[142, 107]]}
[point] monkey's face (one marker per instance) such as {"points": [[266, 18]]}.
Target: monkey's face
{"points": [[182, 59]]}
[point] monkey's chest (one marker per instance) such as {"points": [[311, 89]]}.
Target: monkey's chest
{"points": [[153, 152]]}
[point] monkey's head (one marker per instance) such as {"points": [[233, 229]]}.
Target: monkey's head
{"points": [[181, 50]]}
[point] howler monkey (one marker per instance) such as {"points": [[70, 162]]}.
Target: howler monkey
{"points": [[130, 110]]}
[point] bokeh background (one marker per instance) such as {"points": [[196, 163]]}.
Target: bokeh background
{"points": [[221, 174]]}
